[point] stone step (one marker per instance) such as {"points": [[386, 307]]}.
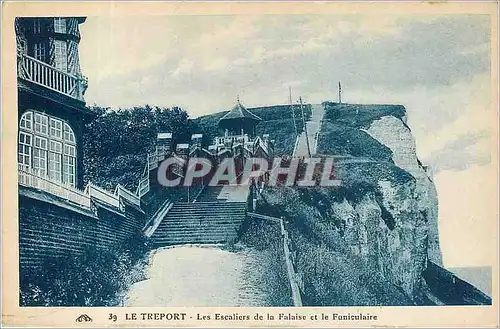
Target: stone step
{"points": [[214, 228], [205, 217], [198, 234], [200, 222], [197, 223], [221, 205]]}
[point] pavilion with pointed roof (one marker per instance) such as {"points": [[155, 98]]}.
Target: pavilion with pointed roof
{"points": [[239, 121]]}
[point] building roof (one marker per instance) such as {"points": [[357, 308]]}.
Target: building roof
{"points": [[239, 112], [164, 135]]}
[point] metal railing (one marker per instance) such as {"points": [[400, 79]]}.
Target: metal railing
{"points": [[156, 219], [32, 178], [43, 74]]}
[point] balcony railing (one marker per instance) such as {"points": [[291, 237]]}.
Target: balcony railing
{"points": [[31, 178], [43, 74]]}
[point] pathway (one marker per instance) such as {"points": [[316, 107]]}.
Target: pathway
{"points": [[313, 128], [201, 276]]}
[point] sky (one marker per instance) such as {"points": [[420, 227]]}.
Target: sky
{"points": [[438, 67]]}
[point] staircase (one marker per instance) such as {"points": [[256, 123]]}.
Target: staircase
{"points": [[200, 222], [210, 193]]}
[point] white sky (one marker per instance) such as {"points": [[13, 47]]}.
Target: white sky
{"points": [[437, 66]]}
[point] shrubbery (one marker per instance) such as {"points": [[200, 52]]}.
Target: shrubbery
{"points": [[331, 275], [266, 238], [115, 144], [96, 277]]}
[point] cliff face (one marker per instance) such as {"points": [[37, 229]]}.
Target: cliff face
{"points": [[395, 134], [384, 216]]}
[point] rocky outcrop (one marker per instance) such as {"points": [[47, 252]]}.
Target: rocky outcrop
{"points": [[384, 215], [395, 134]]}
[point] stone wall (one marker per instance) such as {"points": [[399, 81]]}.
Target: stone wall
{"points": [[51, 227]]}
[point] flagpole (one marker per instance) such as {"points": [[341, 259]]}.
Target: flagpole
{"points": [[293, 112]]}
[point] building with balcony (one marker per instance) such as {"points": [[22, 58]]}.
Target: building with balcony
{"points": [[51, 105]]}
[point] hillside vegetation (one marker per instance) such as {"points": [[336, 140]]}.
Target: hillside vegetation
{"points": [[116, 143]]}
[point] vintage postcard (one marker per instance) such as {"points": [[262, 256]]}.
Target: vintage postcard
{"points": [[250, 164]]}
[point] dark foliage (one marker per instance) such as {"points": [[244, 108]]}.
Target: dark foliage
{"points": [[116, 143], [94, 277]]}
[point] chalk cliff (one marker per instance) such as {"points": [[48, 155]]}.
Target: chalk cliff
{"points": [[381, 223]]}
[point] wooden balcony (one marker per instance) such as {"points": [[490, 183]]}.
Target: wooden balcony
{"points": [[43, 74]]}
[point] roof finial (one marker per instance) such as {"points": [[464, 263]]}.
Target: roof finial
{"points": [[238, 99]]}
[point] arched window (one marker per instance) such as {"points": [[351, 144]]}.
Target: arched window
{"points": [[47, 146]]}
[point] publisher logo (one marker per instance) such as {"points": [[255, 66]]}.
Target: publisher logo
{"points": [[83, 318]]}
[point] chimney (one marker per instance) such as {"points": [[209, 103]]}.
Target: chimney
{"points": [[196, 139], [164, 142], [182, 149]]}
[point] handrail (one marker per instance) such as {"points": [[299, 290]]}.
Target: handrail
{"points": [[28, 177], [143, 187], [46, 75], [293, 277], [156, 219]]}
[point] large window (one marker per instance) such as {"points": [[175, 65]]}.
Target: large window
{"points": [[24, 154], [47, 146], [40, 156], [55, 128]]}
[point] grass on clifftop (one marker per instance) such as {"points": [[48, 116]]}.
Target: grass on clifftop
{"points": [[338, 139], [360, 115]]}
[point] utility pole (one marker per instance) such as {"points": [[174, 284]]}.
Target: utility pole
{"points": [[305, 127], [340, 93], [293, 111]]}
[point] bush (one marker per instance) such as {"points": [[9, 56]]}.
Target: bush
{"points": [[115, 143], [95, 277]]}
